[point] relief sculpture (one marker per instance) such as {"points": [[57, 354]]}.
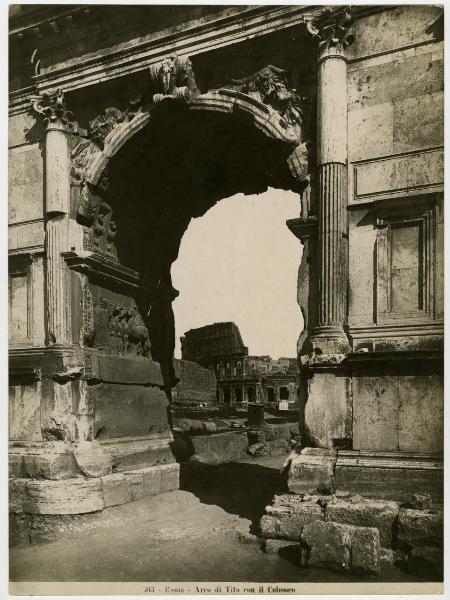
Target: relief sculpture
{"points": [[270, 86], [127, 333]]}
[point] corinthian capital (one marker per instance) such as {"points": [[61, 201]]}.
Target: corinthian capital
{"points": [[52, 106], [331, 26]]}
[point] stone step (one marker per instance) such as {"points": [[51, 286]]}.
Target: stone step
{"points": [[83, 495]]}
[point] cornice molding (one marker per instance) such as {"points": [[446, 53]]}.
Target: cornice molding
{"points": [[99, 267], [116, 62], [222, 31]]}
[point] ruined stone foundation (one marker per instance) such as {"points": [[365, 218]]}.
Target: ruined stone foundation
{"points": [[57, 487], [330, 527]]}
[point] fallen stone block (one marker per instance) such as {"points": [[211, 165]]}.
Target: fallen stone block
{"points": [[426, 562], [135, 480], [285, 520], [228, 446], [342, 547], [152, 481], [170, 477], [285, 527], [66, 496], [327, 545], [365, 549], [364, 512], [17, 489], [420, 527], [116, 489], [91, 459], [311, 471]]}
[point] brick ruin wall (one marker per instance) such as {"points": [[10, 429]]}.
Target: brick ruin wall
{"points": [[197, 384]]}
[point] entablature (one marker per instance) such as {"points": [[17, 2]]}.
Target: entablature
{"points": [[231, 26]]}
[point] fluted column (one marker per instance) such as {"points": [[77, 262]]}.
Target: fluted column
{"points": [[329, 335], [57, 180], [58, 299], [57, 211]]}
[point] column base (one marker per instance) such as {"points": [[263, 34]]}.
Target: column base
{"points": [[329, 339]]}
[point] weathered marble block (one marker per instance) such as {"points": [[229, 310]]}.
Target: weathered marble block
{"points": [[92, 459], [116, 489], [366, 513], [135, 480], [68, 496], [170, 477], [311, 471], [421, 527], [341, 547], [152, 480]]}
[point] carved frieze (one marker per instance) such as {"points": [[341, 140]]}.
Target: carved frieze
{"points": [[174, 78], [331, 26]]}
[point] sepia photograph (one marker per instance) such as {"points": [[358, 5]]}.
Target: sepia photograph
{"points": [[225, 299]]}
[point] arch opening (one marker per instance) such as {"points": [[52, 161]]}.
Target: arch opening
{"points": [[184, 160]]}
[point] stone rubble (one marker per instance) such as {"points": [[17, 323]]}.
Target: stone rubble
{"points": [[356, 533], [342, 547]]}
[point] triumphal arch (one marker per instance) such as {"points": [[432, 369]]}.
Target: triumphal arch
{"points": [[126, 122]]}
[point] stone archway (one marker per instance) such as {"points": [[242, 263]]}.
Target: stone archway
{"points": [[147, 171], [123, 213]]}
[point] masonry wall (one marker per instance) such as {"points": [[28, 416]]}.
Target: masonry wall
{"points": [[395, 134], [197, 384], [26, 268], [26, 231]]}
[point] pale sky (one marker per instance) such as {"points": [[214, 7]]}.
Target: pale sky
{"points": [[239, 262]]}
